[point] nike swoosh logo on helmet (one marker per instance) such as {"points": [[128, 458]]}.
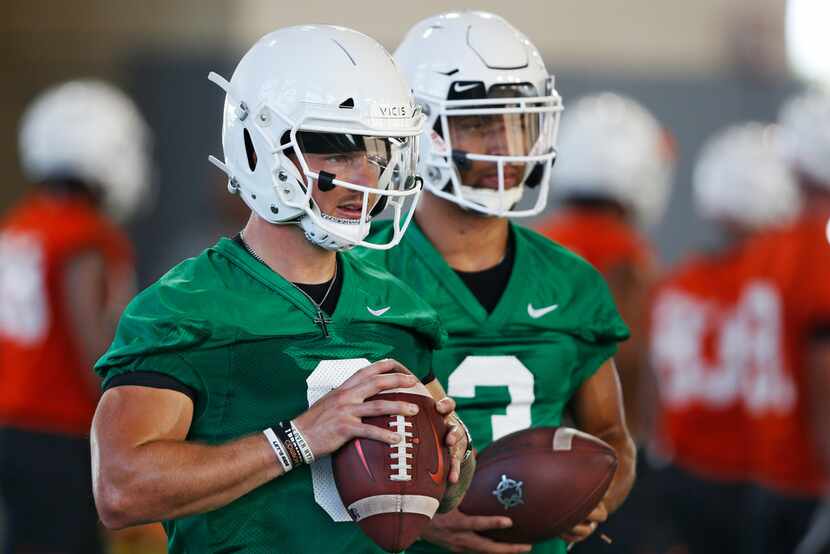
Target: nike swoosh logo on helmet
{"points": [[459, 88], [536, 313], [437, 476], [380, 312]]}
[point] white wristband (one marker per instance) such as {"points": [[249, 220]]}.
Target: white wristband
{"points": [[278, 448], [305, 449]]}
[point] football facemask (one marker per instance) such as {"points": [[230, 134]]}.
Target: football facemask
{"points": [[494, 146]]}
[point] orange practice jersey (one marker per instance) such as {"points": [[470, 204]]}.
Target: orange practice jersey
{"points": [[792, 268], [42, 383], [602, 239], [697, 315]]}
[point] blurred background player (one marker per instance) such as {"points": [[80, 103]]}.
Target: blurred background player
{"points": [[65, 275], [789, 271], [613, 179], [705, 341], [532, 327]]}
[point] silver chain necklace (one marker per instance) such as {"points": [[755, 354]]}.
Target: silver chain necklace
{"points": [[322, 320]]}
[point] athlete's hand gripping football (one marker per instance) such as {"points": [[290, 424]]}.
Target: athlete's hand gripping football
{"points": [[458, 532], [586, 528], [336, 417], [456, 439]]}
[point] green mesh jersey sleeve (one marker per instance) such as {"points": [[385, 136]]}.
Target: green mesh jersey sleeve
{"points": [[175, 327]]}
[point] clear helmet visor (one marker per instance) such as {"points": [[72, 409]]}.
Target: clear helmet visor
{"points": [[359, 161], [498, 142], [352, 178]]}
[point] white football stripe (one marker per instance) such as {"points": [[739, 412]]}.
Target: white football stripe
{"points": [[564, 437], [392, 504]]}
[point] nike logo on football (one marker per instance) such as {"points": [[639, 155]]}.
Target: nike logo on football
{"points": [[362, 457], [536, 313], [437, 476], [378, 313], [459, 88]]}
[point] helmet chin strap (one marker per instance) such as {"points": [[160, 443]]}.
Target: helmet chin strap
{"points": [[491, 198], [488, 198], [348, 233]]}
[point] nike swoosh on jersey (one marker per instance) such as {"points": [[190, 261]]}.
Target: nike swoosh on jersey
{"points": [[463, 88], [378, 313], [536, 313], [439, 470]]}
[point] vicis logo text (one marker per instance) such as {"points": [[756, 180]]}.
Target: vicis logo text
{"points": [[391, 111]]}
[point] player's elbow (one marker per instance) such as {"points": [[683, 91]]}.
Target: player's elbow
{"points": [[118, 499], [115, 506]]}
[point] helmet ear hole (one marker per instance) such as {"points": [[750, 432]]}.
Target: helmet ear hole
{"points": [[250, 153]]}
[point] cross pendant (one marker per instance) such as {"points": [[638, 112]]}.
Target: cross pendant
{"points": [[323, 322]]}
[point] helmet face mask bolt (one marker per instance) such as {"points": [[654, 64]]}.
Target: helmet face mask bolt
{"points": [[242, 111]]}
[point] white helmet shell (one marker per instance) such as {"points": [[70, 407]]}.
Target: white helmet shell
{"points": [[613, 148], [448, 55], [805, 134], [740, 177], [325, 79], [90, 131]]}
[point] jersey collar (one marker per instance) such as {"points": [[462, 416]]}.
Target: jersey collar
{"points": [[449, 279], [283, 287]]}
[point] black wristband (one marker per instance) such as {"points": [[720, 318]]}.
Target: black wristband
{"points": [[285, 434]]}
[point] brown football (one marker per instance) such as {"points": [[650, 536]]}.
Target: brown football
{"points": [[392, 492], [546, 479]]}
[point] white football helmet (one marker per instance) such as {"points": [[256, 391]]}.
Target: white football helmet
{"points": [[805, 134], [319, 89], [90, 131], [474, 74], [613, 148], [740, 177]]}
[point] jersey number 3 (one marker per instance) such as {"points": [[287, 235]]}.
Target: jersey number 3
{"points": [[497, 371]]}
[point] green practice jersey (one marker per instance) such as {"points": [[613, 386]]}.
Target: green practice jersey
{"points": [[518, 366], [245, 340]]}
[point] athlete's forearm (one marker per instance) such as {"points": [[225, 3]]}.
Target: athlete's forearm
{"points": [[626, 470], [456, 491], [169, 479]]}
